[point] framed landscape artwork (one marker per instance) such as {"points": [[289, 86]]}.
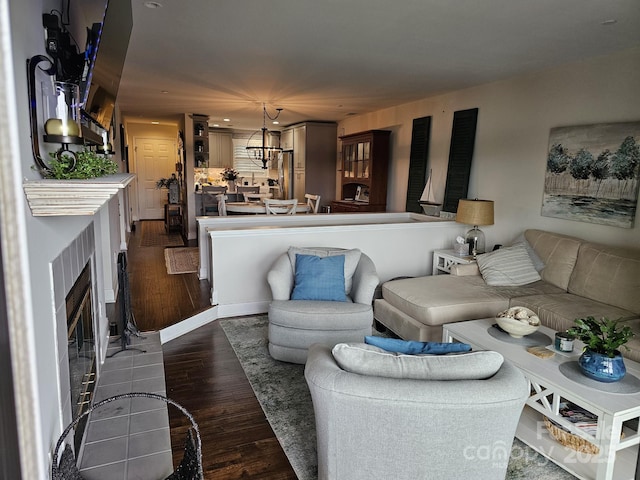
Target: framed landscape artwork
{"points": [[593, 173]]}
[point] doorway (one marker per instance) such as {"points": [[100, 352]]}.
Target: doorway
{"points": [[155, 158]]}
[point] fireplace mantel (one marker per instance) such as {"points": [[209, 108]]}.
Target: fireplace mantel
{"points": [[51, 198]]}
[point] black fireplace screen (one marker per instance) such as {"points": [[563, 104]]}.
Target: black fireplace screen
{"points": [[81, 347]]}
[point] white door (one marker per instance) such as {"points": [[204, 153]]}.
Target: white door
{"points": [[155, 158]]}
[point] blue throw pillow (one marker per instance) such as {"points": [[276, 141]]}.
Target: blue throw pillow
{"points": [[319, 278], [411, 347]]}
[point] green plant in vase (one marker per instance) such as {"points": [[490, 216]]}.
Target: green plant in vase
{"points": [[230, 176], [603, 338], [173, 184]]}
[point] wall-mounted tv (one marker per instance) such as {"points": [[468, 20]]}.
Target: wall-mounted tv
{"points": [[106, 50]]}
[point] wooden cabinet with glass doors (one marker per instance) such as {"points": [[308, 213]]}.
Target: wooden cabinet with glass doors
{"points": [[365, 162]]}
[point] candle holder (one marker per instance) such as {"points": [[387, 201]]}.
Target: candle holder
{"points": [[61, 107]]}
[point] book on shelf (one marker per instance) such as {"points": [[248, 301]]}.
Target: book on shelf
{"points": [[581, 418]]}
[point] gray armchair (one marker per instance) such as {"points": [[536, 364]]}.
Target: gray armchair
{"points": [[294, 325], [373, 427]]}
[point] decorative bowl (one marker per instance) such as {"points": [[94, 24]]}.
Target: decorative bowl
{"points": [[518, 321]]}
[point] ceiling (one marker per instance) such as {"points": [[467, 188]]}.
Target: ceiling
{"points": [[329, 59]]}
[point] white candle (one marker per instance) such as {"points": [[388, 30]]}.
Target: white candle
{"points": [[62, 113], [105, 144]]}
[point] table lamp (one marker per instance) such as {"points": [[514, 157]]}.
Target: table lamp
{"points": [[475, 212]]}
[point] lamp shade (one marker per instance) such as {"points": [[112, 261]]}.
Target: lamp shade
{"points": [[475, 212]]}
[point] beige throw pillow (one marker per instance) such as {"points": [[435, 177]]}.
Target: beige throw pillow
{"points": [[510, 266], [365, 359]]}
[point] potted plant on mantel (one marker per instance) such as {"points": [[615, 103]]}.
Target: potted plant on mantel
{"points": [[173, 185], [88, 164], [601, 359]]}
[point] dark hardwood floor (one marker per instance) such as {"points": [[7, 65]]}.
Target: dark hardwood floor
{"points": [[203, 374], [157, 298]]}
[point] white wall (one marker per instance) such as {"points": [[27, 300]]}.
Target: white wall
{"points": [[32, 245], [237, 222], [514, 120], [397, 247]]}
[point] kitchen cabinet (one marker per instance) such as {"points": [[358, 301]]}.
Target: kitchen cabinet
{"points": [[200, 141], [286, 139], [314, 159], [364, 174], [299, 147], [299, 184], [220, 150]]}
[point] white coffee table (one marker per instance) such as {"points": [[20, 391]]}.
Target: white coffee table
{"points": [[617, 457]]}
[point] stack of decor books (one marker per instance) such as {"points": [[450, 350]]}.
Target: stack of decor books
{"points": [[583, 420]]}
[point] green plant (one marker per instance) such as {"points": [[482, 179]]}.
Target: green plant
{"points": [[229, 174], [602, 336], [88, 165], [166, 182]]}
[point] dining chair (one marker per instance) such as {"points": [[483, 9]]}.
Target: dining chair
{"points": [[274, 207], [255, 197], [209, 198], [247, 189], [313, 201], [222, 204]]}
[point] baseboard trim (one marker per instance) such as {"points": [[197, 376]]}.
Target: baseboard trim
{"points": [[187, 325], [240, 309], [209, 315]]}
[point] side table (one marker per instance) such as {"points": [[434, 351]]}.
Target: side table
{"points": [[172, 216], [444, 259]]}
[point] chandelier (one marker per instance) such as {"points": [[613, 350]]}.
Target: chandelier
{"points": [[265, 152]]}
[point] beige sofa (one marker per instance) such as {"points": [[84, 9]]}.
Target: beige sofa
{"points": [[578, 279]]}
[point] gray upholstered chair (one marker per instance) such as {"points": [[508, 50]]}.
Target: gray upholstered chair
{"points": [[371, 427], [294, 325]]}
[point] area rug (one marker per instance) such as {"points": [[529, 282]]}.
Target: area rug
{"points": [[284, 396], [154, 235], [181, 260]]}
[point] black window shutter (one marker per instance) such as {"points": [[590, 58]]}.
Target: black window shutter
{"points": [[418, 158], [463, 136]]}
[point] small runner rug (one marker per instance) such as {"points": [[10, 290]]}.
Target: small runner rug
{"points": [[284, 396], [154, 235], [181, 260]]}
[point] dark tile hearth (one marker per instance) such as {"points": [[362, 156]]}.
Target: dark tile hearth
{"points": [[129, 438]]}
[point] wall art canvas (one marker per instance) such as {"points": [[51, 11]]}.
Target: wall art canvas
{"points": [[593, 173]]}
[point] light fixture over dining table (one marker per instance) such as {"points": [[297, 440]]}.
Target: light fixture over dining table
{"points": [[265, 152]]}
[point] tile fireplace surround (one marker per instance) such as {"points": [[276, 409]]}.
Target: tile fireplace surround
{"points": [[126, 436], [129, 438]]}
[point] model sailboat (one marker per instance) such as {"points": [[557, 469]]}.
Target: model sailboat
{"points": [[428, 200]]}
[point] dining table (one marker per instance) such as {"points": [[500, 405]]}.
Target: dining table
{"points": [[256, 208]]}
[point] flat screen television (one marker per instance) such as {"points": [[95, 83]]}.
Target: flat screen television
{"points": [[106, 51]]}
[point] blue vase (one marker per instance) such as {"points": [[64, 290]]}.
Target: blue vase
{"points": [[602, 368]]}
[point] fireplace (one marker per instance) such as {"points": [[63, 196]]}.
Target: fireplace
{"points": [[81, 347]]}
